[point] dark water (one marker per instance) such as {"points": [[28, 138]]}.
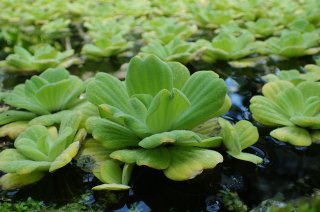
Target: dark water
{"points": [[292, 172]]}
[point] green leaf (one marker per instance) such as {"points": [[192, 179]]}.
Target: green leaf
{"points": [[152, 74], [164, 110], [65, 157], [268, 113], [111, 187], [291, 101], [247, 133], [188, 162], [13, 181], [126, 173], [11, 161], [180, 74], [110, 134], [294, 135], [15, 115], [126, 155], [230, 137], [110, 172], [13, 129], [272, 89], [157, 158], [158, 139], [207, 94], [306, 121], [106, 89], [247, 157], [50, 119]]}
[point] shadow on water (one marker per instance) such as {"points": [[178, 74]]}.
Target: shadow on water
{"points": [[292, 172]]}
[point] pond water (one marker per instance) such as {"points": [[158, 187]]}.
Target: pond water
{"points": [[288, 171]]}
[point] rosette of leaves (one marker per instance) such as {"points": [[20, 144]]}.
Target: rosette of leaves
{"points": [[39, 60], [39, 150], [263, 27], [295, 109], [238, 137], [147, 120], [301, 25], [44, 99], [292, 44], [207, 17], [167, 29], [294, 76], [176, 50], [226, 46], [105, 47]]}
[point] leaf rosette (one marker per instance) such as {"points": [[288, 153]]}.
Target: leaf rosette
{"points": [[148, 118], [293, 108], [39, 150], [44, 99]]}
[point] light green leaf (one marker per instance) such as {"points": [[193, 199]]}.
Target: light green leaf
{"points": [[164, 110], [110, 134], [290, 100], [268, 113], [246, 133], [188, 162], [13, 129], [207, 94], [13, 181], [65, 157], [152, 75], [111, 187], [294, 135], [106, 89], [11, 161], [247, 157], [306, 121], [272, 89], [158, 139], [230, 137], [110, 172], [180, 74], [15, 115], [126, 173]]}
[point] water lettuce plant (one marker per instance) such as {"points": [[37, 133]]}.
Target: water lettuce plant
{"points": [[238, 137], [39, 150], [150, 122], [263, 27], [295, 109], [176, 50], [105, 47], [226, 46], [49, 97], [167, 29], [312, 73], [292, 44], [42, 58]]}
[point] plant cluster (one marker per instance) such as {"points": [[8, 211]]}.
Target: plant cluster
{"points": [[106, 29], [167, 121]]}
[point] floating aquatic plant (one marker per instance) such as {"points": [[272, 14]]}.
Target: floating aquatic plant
{"points": [[226, 46], [238, 137], [41, 59], [263, 27], [49, 97], [39, 150], [176, 50], [312, 73], [295, 109], [105, 47], [150, 123], [167, 29], [292, 44]]}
